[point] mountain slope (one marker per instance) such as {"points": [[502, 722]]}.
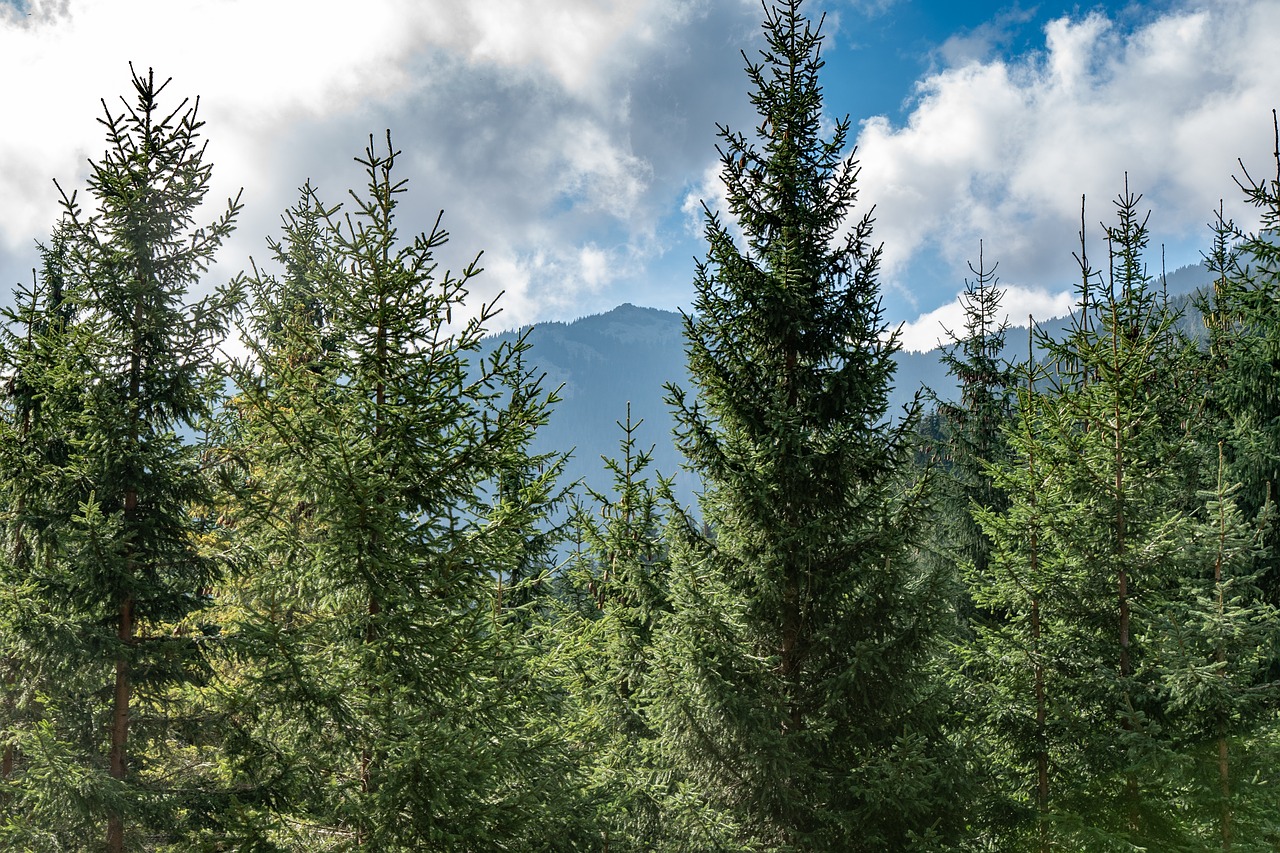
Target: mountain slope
{"points": [[603, 362]]}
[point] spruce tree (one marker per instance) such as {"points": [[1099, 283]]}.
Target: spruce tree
{"points": [[1003, 669], [1242, 316], [1091, 558], [973, 427], [614, 597], [1216, 644], [387, 693], [797, 711], [111, 574]]}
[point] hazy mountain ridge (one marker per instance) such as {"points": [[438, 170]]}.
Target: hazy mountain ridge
{"points": [[602, 362]]}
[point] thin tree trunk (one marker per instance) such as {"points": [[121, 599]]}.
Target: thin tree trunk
{"points": [[11, 668], [1220, 655], [792, 639], [9, 756], [1122, 578], [1224, 777], [1042, 753], [120, 722], [367, 785], [791, 650], [118, 758], [1042, 737], [1120, 531]]}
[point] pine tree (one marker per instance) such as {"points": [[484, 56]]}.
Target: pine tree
{"points": [[114, 577], [1090, 555], [389, 692], [974, 426], [797, 711], [1242, 316], [614, 598]]}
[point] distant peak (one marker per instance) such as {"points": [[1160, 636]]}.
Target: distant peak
{"points": [[631, 312]]}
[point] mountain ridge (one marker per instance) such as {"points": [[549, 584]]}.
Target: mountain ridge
{"points": [[603, 363]]}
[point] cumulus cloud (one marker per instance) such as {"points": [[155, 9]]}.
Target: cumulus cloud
{"points": [[550, 131], [1002, 151], [256, 65], [932, 328], [572, 140]]}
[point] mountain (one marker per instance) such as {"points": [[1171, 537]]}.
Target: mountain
{"points": [[601, 364], [604, 362]]}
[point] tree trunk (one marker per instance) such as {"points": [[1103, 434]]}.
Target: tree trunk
{"points": [[120, 721], [1220, 655]]}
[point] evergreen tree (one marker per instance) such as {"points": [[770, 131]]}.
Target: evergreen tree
{"points": [[1004, 667], [614, 599], [1242, 315], [113, 372], [797, 711], [974, 426], [1217, 642], [388, 694], [1091, 556]]}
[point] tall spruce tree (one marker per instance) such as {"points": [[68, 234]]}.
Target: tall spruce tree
{"points": [[973, 427], [1004, 667], [386, 690], [1216, 643], [798, 706], [111, 573]]}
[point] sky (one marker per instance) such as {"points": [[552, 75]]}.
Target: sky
{"points": [[572, 142]]}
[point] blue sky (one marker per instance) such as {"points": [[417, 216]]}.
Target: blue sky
{"points": [[572, 140]]}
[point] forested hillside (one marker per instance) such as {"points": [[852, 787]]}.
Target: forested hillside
{"points": [[345, 591]]}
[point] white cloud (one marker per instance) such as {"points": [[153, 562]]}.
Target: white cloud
{"points": [[539, 126], [567, 39], [979, 43], [930, 329], [605, 177], [1003, 151], [709, 193], [256, 65]]}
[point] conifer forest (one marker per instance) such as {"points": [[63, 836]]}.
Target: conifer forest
{"points": [[323, 595]]}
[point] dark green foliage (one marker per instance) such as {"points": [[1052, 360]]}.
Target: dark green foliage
{"points": [[1092, 684], [973, 428], [111, 369], [798, 712], [614, 598], [976, 424]]}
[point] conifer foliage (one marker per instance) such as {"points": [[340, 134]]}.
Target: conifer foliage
{"points": [[801, 628], [381, 685], [613, 602], [974, 426], [1128, 619], [113, 370], [1242, 315]]}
